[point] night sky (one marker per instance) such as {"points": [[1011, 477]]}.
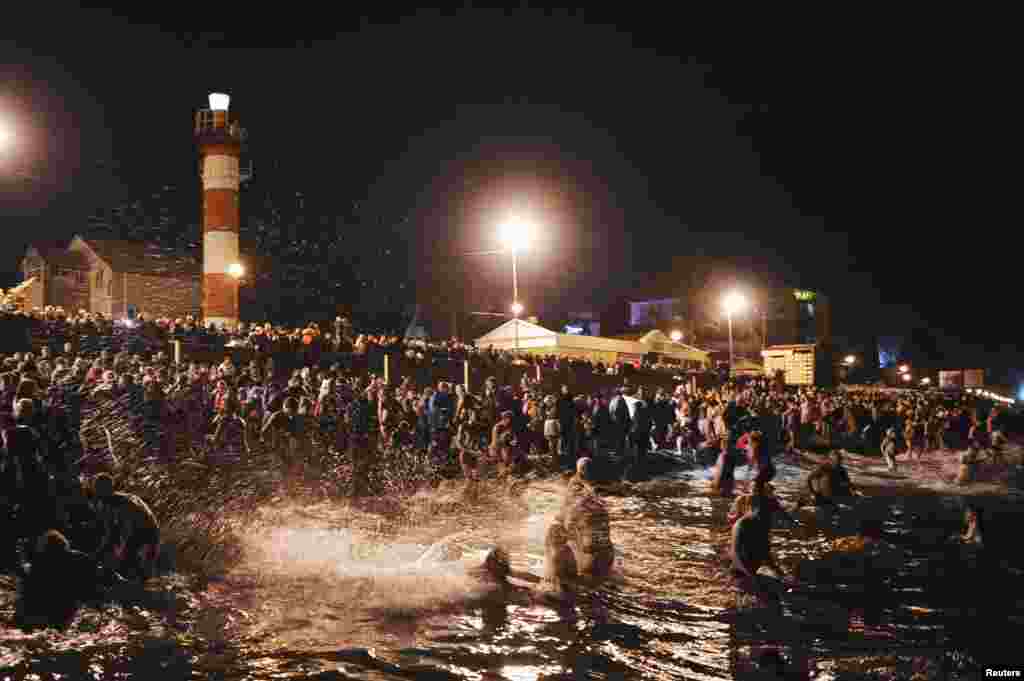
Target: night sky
{"points": [[825, 159]]}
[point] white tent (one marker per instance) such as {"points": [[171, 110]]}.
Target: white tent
{"points": [[659, 342], [529, 336], [536, 339]]}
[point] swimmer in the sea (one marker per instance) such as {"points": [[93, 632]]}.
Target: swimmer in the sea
{"points": [[560, 570], [968, 469], [975, 532], [741, 506], [751, 546], [724, 478], [827, 483], [557, 584], [581, 482]]}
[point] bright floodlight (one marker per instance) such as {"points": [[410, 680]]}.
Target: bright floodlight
{"points": [[517, 309], [850, 359], [516, 234], [733, 303], [907, 377], [219, 101], [677, 336], [904, 368], [926, 380], [236, 270]]}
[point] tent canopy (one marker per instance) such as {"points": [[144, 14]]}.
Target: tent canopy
{"points": [[535, 338], [507, 332]]}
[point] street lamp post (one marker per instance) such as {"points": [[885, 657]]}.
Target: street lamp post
{"points": [[732, 303], [516, 308], [732, 358], [515, 235], [516, 232]]}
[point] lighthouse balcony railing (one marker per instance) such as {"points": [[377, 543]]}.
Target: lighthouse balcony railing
{"points": [[209, 125]]}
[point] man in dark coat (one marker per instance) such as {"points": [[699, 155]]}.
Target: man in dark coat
{"points": [[565, 409], [663, 414], [621, 421], [27, 481], [640, 430]]}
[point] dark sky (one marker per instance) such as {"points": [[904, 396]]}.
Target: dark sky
{"points": [[827, 158]]}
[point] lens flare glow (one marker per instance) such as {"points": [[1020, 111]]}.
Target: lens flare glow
{"points": [[733, 303], [516, 234]]}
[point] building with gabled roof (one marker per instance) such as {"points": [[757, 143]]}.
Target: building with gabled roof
{"points": [[116, 278]]}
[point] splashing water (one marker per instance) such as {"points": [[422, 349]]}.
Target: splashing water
{"points": [[311, 583]]}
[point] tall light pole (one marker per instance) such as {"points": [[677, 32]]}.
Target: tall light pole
{"points": [[733, 303], [515, 233]]}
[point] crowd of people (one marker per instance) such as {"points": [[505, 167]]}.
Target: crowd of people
{"points": [[56, 407], [312, 342]]}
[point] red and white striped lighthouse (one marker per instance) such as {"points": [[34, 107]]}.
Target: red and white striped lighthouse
{"points": [[220, 149]]}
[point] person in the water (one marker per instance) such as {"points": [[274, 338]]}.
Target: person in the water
{"points": [[131, 532], [742, 505], [889, 448], [751, 545], [560, 570], [724, 477], [58, 580], [558, 583], [827, 483], [759, 458], [582, 481], [968, 469], [975, 531], [496, 567], [588, 528]]}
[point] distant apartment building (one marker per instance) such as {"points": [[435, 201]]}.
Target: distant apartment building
{"points": [[773, 316]]}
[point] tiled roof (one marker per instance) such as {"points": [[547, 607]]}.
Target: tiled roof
{"points": [[65, 258], [140, 257]]}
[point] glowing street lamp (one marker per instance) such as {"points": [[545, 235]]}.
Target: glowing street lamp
{"points": [[517, 309], [907, 378], [676, 336], [904, 368], [926, 380], [6, 135], [516, 234], [850, 360], [236, 270], [733, 303]]}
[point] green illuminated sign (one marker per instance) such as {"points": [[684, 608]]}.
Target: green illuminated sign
{"points": [[804, 295]]}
